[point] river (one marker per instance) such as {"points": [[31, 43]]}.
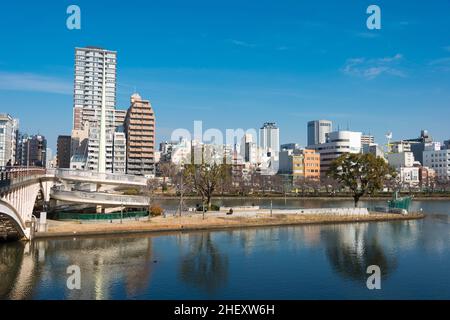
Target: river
{"points": [[295, 262]]}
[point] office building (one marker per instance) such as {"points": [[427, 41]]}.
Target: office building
{"points": [[318, 130], [400, 146], [418, 145], [289, 146], [8, 134], [336, 144], [401, 159], [269, 139], [300, 163], [446, 144], [439, 161], [409, 176], [140, 135], [374, 149], [63, 152], [249, 150], [367, 139]]}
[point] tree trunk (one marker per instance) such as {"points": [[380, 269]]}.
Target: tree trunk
{"points": [[356, 200], [209, 202]]}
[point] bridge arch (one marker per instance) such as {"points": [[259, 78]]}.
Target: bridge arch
{"points": [[11, 222]]}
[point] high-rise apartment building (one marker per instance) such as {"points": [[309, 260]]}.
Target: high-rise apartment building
{"points": [[8, 134], [32, 151], [140, 134], [318, 130], [95, 84], [269, 139], [64, 151]]}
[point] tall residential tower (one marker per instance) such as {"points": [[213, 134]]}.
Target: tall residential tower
{"points": [[140, 135]]}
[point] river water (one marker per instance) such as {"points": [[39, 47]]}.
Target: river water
{"points": [[295, 262]]}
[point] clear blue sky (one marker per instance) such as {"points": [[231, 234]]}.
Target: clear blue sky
{"points": [[237, 64]]}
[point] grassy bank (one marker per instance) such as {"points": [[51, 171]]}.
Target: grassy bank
{"points": [[196, 222]]}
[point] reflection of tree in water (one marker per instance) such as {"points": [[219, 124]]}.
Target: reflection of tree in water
{"points": [[203, 266], [352, 248], [138, 277], [11, 255]]}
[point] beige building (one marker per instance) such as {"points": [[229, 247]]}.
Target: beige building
{"points": [[140, 134]]}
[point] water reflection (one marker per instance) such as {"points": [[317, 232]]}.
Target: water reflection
{"points": [[203, 265], [106, 264], [352, 248], [286, 261]]}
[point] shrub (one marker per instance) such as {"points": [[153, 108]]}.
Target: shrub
{"points": [[131, 192], [215, 207], [156, 210]]}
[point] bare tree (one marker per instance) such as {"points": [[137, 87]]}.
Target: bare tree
{"points": [[205, 179], [168, 171]]}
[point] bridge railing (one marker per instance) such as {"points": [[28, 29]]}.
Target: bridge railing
{"points": [[13, 175], [96, 197], [107, 177]]}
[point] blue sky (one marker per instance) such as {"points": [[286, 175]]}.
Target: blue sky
{"points": [[237, 64]]}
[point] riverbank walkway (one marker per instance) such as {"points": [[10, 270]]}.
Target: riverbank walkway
{"points": [[218, 221]]}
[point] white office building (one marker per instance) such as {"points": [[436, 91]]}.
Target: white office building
{"points": [[401, 159], [438, 160], [8, 135], [409, 176], [269, 139], [337, 143], [249, 150], [318, 131]]}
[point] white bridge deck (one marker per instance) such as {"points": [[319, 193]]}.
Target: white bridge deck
{"points": [[98, 198], [101, 178]]}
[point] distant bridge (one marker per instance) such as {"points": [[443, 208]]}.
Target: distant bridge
{"points": [[20, 187]]}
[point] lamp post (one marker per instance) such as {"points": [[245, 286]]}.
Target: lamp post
{"points": [[271, 207], [121, 213]]}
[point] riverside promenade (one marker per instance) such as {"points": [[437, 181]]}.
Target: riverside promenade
{"points": [[211, 221]]}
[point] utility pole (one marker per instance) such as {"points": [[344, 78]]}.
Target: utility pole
{"points": [[121, 213]]}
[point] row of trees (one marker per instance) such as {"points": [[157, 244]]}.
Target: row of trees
{"points": [[357, 174]]}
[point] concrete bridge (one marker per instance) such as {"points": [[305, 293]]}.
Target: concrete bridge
{"points": [[21, 186], [19, 189]]}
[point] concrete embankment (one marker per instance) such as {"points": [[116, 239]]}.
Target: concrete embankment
{"points": [[195, 222]]}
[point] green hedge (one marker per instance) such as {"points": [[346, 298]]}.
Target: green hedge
{"points": [[99, 216]]}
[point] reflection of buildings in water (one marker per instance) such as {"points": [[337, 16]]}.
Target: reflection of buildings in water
{"points": [[24, 280], [202, 264], [17, 270], [351, 248], [11, 257], [104, 264]]}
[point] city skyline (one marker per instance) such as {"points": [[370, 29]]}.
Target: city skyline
{"points": [[284, 67]]}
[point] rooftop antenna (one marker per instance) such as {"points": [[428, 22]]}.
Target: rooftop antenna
{"points": [[348, 127]]}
